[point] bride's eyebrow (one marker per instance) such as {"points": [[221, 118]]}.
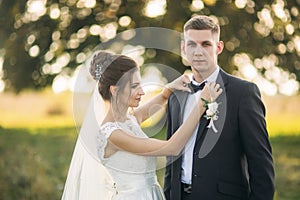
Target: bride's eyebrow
{"points": [[135, 83]]}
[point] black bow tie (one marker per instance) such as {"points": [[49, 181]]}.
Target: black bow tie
{"points": [[196, 88]]}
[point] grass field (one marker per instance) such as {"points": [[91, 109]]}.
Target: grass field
{"points": [[34, 164], [37, 137]]}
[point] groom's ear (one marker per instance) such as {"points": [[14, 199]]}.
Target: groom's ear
{"points": [[182, 47], [183, 53], [220, 46], [113, 90]]}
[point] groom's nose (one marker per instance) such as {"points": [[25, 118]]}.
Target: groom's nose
{"points": [[198, 51]]}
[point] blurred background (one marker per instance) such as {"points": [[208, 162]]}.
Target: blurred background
{"points": [[44, 44]]}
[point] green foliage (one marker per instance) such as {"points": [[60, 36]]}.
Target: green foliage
{"points": [[287, 167], [34, 164], [54, 35]]}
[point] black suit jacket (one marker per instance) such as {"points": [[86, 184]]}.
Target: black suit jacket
{"points": [[234, 163]]}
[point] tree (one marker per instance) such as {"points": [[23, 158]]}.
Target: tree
{"points": [[41, 39]]}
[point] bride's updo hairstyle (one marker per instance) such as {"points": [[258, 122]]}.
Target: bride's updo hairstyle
{"points": [[111, 69]]}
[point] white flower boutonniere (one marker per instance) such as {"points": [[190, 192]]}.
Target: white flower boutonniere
{"points": [[211, 113]]}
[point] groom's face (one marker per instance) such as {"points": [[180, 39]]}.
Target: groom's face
{"points": [[201, 49]]}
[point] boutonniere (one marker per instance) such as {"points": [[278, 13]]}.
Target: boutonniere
{"points": [[211, 113]]}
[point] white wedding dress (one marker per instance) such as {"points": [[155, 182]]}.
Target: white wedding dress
{"points": [[123, 175], [134, 175]]}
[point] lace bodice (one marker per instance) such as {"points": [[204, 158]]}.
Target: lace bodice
{"points": [[125, 167], [134, 175], [104, 133]]}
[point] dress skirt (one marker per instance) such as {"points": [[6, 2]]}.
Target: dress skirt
{"points": [[147, 189]]}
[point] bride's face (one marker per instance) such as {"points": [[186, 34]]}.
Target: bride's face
{"points": [[135, 90]]}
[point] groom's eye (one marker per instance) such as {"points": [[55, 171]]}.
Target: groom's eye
{"points": [[206, 44], [191, 44]]}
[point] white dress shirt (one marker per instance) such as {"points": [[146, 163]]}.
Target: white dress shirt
{"points": [[187, 157]]}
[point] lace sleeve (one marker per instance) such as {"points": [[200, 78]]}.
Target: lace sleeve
{"points": [[104, 133]]}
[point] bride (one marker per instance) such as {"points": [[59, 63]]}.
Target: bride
{"points": [[113, 157]]}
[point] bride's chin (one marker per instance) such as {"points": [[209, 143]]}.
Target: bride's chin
{"points": [[133, 105], [136, 105]]}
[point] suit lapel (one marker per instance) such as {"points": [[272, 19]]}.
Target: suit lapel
{"points": [[182, 98], [210, 138], [201, 128]]}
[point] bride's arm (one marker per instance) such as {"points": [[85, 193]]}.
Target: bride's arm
{"points": [[143, 112], [173, 146]]}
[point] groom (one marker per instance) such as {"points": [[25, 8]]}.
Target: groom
{"points": [[234, 161]]}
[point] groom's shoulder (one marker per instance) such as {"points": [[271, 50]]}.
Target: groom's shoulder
{"points": [[237, 82]]}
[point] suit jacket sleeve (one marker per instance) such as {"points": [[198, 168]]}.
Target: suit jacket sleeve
{"points": [[256, 144]]}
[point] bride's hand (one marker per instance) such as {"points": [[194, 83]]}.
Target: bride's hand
{"points": [[181, 83], [211, 92]]}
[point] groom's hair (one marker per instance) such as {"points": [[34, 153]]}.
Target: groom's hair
{"points": [[202, 22]]}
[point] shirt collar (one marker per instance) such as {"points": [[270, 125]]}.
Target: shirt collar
{"points": [[211, 78]]}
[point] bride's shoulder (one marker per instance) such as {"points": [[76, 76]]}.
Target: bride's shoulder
{"points": [[108, 124], [108, 127]]}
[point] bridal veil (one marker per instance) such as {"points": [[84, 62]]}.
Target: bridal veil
{"points": [[87, 177]]}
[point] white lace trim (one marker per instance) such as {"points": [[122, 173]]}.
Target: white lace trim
{"points": [[131, 126], [104, 133]]}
